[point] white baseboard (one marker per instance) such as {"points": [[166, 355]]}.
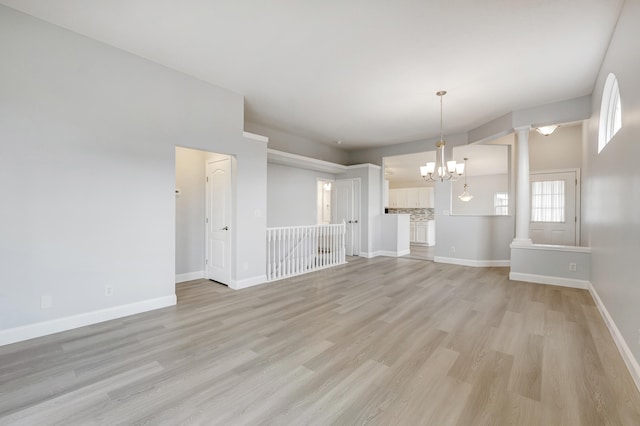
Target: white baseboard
{"points": [[188, 276], [368, 255], [248, 282], [390, 253], [387, 253], [470, 262], [31, 331], [623, 348], [547, 279]]}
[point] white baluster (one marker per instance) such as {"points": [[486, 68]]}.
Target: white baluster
{"points": [[305, 258], [280, 252], [297, 250], [268, 254], [315, 248], [334, 259], [290, 253], [318, 245], [342, 235]]}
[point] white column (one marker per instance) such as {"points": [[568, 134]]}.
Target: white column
{"points": [[523, 197]]}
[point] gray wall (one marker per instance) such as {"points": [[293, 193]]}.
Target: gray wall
{"points": [[190, 210], [560, 150], [299, 145], [483, 189], [551, 262], [475, 238], [87, 166], [394, 232], [611, 179], [292, 195]]}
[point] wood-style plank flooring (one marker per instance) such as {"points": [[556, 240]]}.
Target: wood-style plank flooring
{"points": [[419, 252], [378, 341]]}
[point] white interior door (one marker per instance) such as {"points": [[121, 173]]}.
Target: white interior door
{"points": [[218, 220], [346, 207], [554, 208]]}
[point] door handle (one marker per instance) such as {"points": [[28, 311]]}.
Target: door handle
{"points": [[226, 228], [355, 221]]}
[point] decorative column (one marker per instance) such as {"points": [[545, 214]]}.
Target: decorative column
{"points": [[523, 196]]}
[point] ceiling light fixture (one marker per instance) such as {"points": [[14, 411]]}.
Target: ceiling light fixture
{"points": [[432, 172], [466, 195], [547, 130]]}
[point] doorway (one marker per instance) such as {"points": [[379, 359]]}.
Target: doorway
{"points": [[555, 207], [406, 192], [345, 204], [203, 208], [323, 205]]}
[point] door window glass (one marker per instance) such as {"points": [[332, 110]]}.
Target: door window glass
{"points": [[547, 201]]}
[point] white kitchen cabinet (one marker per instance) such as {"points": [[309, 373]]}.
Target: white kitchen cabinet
{"points": [[385, 193], [426, 197], [411, 198], [398, 198], [423, 233], [393, 198]]}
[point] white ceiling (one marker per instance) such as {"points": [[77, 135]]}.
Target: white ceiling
{"points": [[364, 72]]}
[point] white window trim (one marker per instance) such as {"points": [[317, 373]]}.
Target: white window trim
{"points": [[610, 112]]}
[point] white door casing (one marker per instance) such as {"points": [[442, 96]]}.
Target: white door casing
{"points": [[218, 220], [346, 207], [567, 230]]}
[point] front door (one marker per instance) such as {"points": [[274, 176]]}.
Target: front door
{"points": [[346, 207], [218, 220], [554, 208]]}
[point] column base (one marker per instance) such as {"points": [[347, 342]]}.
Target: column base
{"points": [[521, 242]]}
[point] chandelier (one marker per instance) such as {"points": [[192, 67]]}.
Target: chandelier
{"points": [[466, 195], [441, 170]]}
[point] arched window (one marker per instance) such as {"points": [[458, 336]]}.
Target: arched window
{"points": [[610, 112]]}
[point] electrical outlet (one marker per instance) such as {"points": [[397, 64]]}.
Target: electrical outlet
{"points": [[46, 302], [573, 267], [108, 290], [452, 249]]}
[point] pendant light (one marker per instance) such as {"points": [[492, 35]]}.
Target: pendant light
{"points": [[466, 195], [432, 172]]}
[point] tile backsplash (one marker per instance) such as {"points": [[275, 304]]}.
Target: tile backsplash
{"points": [[416, 214]]}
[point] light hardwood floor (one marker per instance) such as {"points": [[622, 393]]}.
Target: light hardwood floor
{"points": [[419, 252], [378, 341]]}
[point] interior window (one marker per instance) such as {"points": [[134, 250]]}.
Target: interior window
{"points": [[547, 201], [501, 203], [610, 112]]}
